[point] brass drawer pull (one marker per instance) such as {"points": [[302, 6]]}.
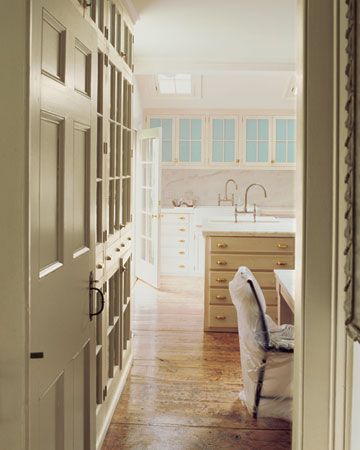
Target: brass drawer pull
{"points": [[182, 229], [99, 266], [118, 249], [222, 245], [221, 280], [221, 263], [108, 258], [220, 317], [181, 253], [181, 266], [182, 218], [282, 246], [182, 240], [221, 297], [279, 263]]}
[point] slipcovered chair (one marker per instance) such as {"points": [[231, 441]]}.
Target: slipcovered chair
{"points": [[266, 351]]}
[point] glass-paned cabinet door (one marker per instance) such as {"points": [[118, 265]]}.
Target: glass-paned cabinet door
{"points": [[190, 140], [167, 125], [257, 140], [285, 140], [223, 140]]}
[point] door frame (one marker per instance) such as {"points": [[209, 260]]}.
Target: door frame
{"points": [[315, 384]]}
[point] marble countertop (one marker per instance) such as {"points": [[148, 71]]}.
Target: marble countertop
{"points": [[282, 227]]}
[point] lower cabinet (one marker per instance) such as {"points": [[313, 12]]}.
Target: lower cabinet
{"points": [[223, 255], [112, 329]]}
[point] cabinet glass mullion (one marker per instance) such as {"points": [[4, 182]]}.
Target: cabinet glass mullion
{"points": [[167, 142], [190, 140], [257, 140], [285, 140], [223, 140]]}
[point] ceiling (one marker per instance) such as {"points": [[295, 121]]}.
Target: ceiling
{"points": [[244, 50]]}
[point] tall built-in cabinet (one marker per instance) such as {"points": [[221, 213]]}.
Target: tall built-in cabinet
{"points": [[112, 271]]}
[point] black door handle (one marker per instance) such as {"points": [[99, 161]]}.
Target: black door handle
{"points": [[91, 315]]}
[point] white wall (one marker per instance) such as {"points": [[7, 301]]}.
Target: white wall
{"points": [[204, 185]]}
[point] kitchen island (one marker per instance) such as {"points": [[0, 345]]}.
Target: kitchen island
{"points": [[263, 246]]}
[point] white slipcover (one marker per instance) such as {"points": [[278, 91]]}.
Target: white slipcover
{"points": [[265, 351]]}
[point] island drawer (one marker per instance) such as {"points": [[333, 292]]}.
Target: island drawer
{"points": [[222, 278], [222, 316], [220, 296], [251, 244], [253, 262]]}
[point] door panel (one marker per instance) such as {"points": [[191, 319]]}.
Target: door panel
{"points": [[62, 183], [148, 206]]}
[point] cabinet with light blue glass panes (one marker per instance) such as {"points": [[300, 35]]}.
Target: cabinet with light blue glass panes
{"points": [[190, 140], [167, 125], [284, 140], [257, 140], [223, 140]]}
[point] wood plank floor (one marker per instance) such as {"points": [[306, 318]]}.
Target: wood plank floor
{"points": [[182, 392]]}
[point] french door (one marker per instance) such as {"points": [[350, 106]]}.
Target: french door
{"points": [[148, 184], [62, 182]]}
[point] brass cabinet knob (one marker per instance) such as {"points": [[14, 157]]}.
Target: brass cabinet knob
{"points": [[220, 317], [181, 253], [182, 229], [99, 266], [221, 280], [221, 263], [222, 245], [182, 240], [182, 217], [122, 245], [129, 238], [108, 258], [118, 249], [221, 297], [181, 266], [282, 246], [280, 263]]}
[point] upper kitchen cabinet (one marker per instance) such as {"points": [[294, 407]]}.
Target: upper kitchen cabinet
{"points": [[257, 140], [237, 141], [224, 140], [285, 140]]}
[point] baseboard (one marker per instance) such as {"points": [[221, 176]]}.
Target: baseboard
{"points": [[101, 437]]}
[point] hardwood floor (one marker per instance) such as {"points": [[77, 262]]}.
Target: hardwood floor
{"points": [[182, 392]]}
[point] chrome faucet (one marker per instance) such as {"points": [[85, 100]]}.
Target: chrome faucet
{"points": [[247, 191], [226, 199], [245, 210]]}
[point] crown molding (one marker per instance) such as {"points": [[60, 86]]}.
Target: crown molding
{"points": [[146, 66]]}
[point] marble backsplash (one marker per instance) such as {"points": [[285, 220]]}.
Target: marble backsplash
{"points": [[203, 186]]}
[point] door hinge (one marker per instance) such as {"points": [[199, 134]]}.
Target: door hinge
{"points": [[105, 393], [104, 236], [105, 148], [36, 355]]}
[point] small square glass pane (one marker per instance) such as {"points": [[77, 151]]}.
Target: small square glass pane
{"points": [[263, 129], [196, 151], [229, 133], [251, 152], [251, 129], [280, 129], [291, 152], [184, 154], [291, 130], [184, 129], [167, 151], [229, 151], [196, 129], [280, 152], [263, 152], [167, 129], [155, 123], [217, 151], [218, 132]]}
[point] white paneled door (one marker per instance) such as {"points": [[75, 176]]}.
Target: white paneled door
{"points": [[62, 180], [148, 184]]}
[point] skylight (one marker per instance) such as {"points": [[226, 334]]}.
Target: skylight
{"points": [[179, 84]]}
